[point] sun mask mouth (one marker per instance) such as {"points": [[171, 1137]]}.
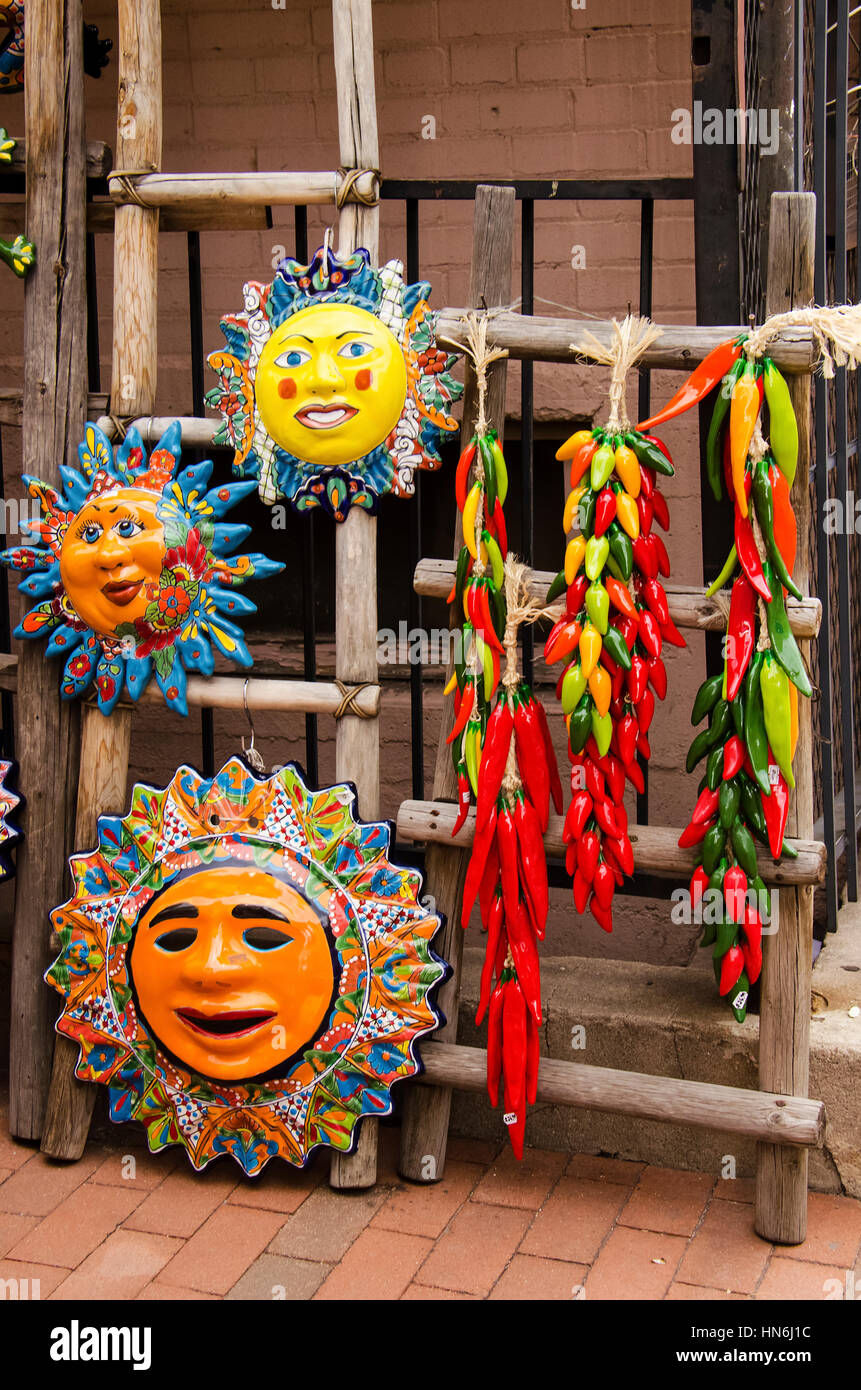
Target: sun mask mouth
{"points": [[231, 1023]]}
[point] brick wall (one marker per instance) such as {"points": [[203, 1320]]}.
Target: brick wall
{"points": [[533, 90]]}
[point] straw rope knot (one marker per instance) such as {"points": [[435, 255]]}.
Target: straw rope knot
{"points": [[631, 337], [836, 330]]}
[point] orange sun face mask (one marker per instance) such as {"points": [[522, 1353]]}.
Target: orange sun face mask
{"points": [[233, 971]]}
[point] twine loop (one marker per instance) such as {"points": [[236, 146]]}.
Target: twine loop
{"points": [[631, 337], [836, 329], [348, 188], [349, 696], [124, 178]]}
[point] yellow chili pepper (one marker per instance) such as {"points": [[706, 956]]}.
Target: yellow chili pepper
{"points": [[451, 684], [470, 510], [590, 649], [627, 466], [743, 412], [574, 552], [600, 687], [573, 443], [629, 517], [572, 501]]}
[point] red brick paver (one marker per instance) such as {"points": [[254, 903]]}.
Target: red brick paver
{"points": [[726, 1252], [380, 1264], [572, 1224], [665, 1200], [475, 1248]]}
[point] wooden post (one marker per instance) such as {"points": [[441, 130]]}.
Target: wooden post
{"points": [[424, 1130], [784, 1025], [357, 745], [54, 405], [105, 751]]}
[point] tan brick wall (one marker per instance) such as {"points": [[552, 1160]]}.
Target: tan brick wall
{"points": [[533, 90]]}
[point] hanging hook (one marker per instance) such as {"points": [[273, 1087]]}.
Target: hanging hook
{"points": [[327, 242], [250, 754]]}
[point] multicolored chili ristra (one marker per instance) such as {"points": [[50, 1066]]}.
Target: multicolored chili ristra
{"points": [[610, 639], [752, 705]]}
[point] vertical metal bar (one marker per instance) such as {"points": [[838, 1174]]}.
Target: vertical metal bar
{"points": [[306, 531], [647, 249], [527, 306], [798, 108], [94, 373], [7, 733], [844, 580], [195, 317], [820, 96], [415, 607]]}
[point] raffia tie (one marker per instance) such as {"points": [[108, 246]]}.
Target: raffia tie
{"points": [[125, 178], [521, 607], [349, 696], [836, 329], [631, 337], [348, 190]]}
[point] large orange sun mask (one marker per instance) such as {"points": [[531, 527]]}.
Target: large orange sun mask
{"points": [[111, 558], [233, 971]]}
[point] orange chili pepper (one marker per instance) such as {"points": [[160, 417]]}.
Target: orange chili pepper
{"points": [[581, 461], [785, 525], [743, 412], [600, 688], [573, 444], [620, 597], [590, 645]]}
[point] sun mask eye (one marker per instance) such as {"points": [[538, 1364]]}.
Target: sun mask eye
{"points": [[266, 938], [91, 533], [293, 357], [179, 939], [128, 527], [354, 350]]}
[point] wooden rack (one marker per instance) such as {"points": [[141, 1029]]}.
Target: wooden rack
{"points": [[780, 1116]]}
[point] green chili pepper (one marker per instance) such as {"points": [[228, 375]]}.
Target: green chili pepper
{"points": [[713, 847], [755, 737], [714, 767], [751, 806], [497, 564], [602, 728], [614, 569], [783, 644], [621, 550], [489, 465], [728, 802], [729, 566], [580, 726], [698, 749], [720, 722], [573, 688], [650, 454], [501, 469], [763, 501], [741, 987], [706, 698], [497, 610], [618, 648], [737, 711], [586, 511], [714, 461], [557, 588], [726, 934], [598, 606], [774, 684], [709, 933], [601, 466], [597, 550], [717, 877], [463, 560], [783, 426], [743, 847]]}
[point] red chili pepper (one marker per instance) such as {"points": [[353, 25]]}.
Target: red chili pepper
{"points": [[653, 591], [694, 833], [483, 608], [525, 954], [494, 1043], [699, 884], [647, 481], [494, 927], [657, 676], [581, 461], [733, 757], [629, 627], [663, 558], [748, 555], [615, 777], [752, 944], [670, 633], [489, 883], [533, 1057], [461, 477], [532, 760], [660, 510], [604, 885], [576, 817], [497, 524], [645, 711], [603, 915], [514, 1063], [617, 685], [497, 741], [506, 838], [644, 557], [625, 854], [650, 636], [609, 852], [563, 638], [533, 858], [644, 511], [606, 819], [638, 676], [634, 774], [741, 634], [463, 713], [550, 755], [577, 594], [464, 797], [480, 849], [775, 808], [594, 780], [619, 596], [644, 747], [587, 855], [582, 888], [570, 858], [731, 967], [627, 731], [734, 890], [605, 510], [702, 379], [707, 804]]}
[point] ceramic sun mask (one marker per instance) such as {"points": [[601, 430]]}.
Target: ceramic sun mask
{"points": [[134, 574], [11, 46], [10, 801], [333, 390], [243, 966]]}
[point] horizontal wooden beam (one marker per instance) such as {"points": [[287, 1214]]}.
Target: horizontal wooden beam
{"points": [[226, 692], [778, 1119], [679, 347], [11, 407], [656, 847], [213, 191], [99, 159], [688, 607], [196, 431]]}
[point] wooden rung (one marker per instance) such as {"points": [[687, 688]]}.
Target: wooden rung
{"points": [[226, 692], [98, 166], [11, 406], [213, 191], [688, 607], [196, 431], [779, 1119], [656, 847], [679, 348], [100, 218]]}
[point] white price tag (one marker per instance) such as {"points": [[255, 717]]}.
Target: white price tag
{"points": [[773, 774], [740, 999], [509, 1118]]}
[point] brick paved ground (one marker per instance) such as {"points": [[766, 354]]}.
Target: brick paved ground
{"points": [[550, 1227]]}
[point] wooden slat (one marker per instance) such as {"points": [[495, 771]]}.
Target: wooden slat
{"points": [[689, 608], [786, 1119], [209, 192], [679, 348], [54, 403], [656, 848], [424, 1128], [101, 216], [357, 743], [784, 1023], [97, 154]]}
